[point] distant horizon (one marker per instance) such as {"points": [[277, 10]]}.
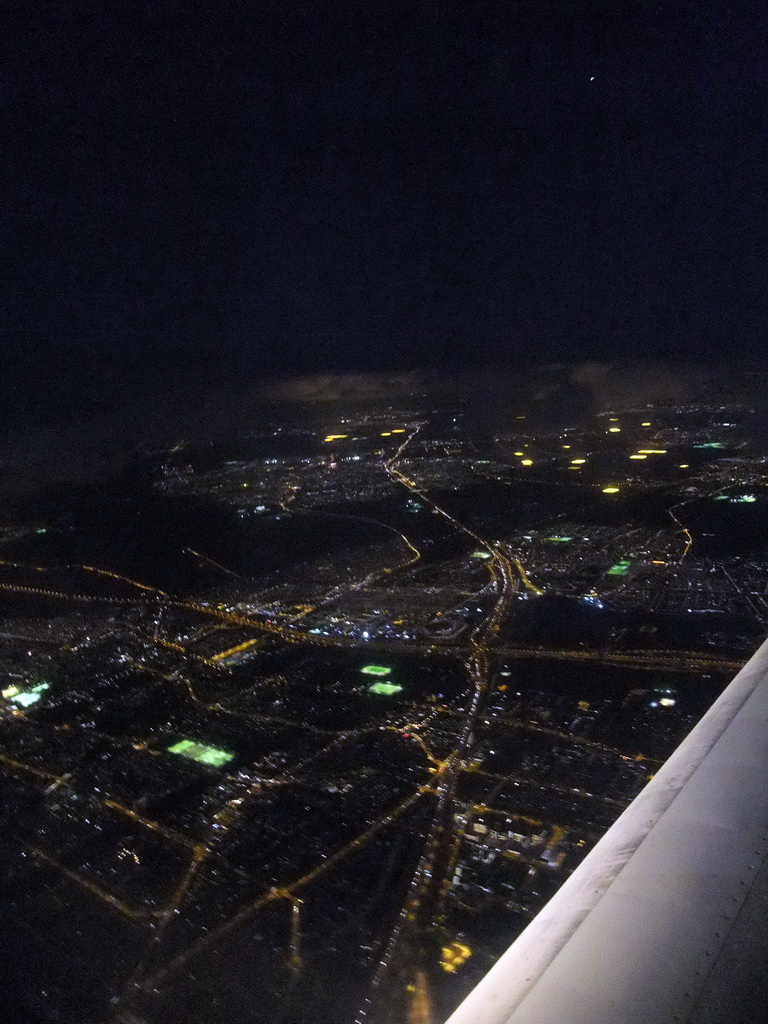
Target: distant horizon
{"points": [[77, 444]]}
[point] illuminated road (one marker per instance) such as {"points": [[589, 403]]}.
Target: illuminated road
{"points": [[409, 950], [409, 953], [499, 566], [371, 577], [286, 891]]}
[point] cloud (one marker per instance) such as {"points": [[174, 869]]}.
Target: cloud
{"points": [[80, 449]]}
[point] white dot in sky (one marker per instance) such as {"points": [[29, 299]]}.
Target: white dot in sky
{"points": [[592, 78]]}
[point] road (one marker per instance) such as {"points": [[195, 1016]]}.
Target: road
{"points": [[409, 952]]}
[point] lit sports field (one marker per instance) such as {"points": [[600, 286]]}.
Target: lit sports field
{"points": [[25, 697], [200, 752], [620, 569], [385, 689]]}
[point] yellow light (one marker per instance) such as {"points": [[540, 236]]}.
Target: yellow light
{"points": [[578, 462], [526, 462], [610, 490], [574, 467], [521, 454], [683, 465], [399, 430], [638, 456], [335, 437], [614, 430], [386, 433], [453, 956], [614, 419], [566, 446], [645, 424], [653, 451]]}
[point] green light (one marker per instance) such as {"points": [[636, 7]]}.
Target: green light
{"points": [[620, 568], [480, 554], [375, 670], [560, 540], [200, 752], [385, 689], [25, 699], [710, 444]]}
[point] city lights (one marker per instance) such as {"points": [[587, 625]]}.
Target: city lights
{"points": [[467, 583]]}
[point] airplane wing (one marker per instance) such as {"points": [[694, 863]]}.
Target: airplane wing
{"points": [[667, 918]]}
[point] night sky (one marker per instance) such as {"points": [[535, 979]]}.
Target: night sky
{"points": [[205, 193]]}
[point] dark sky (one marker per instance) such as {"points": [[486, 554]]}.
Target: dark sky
{"points": [[200, 193]]}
